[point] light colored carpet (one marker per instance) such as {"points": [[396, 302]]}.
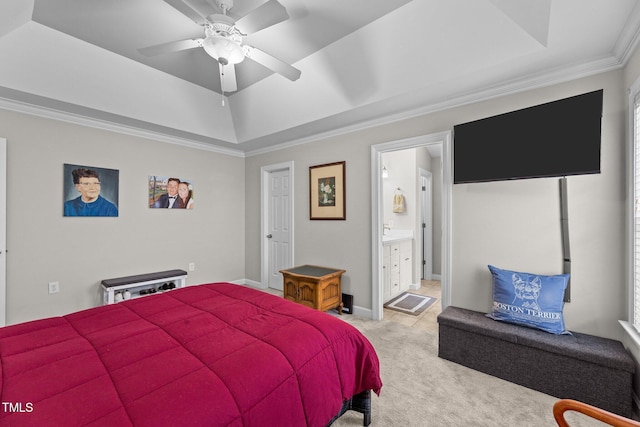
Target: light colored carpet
{"points": [[420, 389]]}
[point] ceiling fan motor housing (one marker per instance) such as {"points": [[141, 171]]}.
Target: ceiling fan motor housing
{"points": [[223, 40], [222, 25]]}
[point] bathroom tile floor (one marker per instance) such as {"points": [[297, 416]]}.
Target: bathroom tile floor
{"points": [[427, 320]]}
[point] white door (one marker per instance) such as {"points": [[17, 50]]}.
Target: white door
{"points": [[426, 208], [279, 226], [3, 232]]}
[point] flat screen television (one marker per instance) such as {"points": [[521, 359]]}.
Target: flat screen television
{"points": [[559, 138]]}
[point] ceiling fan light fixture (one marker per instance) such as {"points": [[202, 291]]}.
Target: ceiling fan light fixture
{"points": [[224, 50]]}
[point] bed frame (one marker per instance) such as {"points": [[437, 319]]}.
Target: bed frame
{"points": [[361, 402]]}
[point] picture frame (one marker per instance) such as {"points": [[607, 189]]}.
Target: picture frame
{"points": [[170, 192], [90, 191], [327, 199]]}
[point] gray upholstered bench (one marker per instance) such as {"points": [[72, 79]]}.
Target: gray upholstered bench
{"points": [[594, 370]]}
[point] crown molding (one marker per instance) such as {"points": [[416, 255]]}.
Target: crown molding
{"points": [[110, 122], [510, 87], [629, 36]]}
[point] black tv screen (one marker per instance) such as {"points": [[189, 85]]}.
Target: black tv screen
{"points": [[559, 138]]}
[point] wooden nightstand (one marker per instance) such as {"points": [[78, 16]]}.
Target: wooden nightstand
{"points": [[313, 286]]}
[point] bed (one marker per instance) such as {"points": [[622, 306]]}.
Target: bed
{"points": [[216, 354]]}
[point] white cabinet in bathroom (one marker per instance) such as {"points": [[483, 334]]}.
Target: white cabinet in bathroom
{"points": [[397, 267]]}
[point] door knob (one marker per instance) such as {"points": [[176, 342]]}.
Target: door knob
{"points": [[269, 236]]}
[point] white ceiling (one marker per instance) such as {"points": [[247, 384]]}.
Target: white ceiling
{"points": [[362, 62]]}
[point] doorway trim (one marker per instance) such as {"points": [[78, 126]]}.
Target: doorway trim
{"points": [[3, 232], [377, 217], [264, 215]]}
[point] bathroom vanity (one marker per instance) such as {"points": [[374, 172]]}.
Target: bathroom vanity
{"points": [[397, 262]]}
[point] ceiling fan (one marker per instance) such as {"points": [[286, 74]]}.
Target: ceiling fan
{"points": [[224, 35]]}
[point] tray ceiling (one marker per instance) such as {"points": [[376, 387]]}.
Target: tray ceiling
{"points": [[362, 62]]}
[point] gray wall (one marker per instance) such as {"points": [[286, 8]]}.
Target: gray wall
{"points": [[341, 244], [44, 246], [513, 225], [510, 224]]}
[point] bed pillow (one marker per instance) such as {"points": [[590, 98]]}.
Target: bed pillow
{"points": [[527, 299]]}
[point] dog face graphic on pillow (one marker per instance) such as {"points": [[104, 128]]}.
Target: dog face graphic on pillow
{"points": [[527, 291]]}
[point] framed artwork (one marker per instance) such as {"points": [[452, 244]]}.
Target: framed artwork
{"points": [[327, 191], [90, 191], [170, 192]]}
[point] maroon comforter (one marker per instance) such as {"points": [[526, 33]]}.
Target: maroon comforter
{"points": [[211, 355]]}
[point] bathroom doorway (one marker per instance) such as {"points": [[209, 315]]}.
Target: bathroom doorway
{"points": [[416, 161]]}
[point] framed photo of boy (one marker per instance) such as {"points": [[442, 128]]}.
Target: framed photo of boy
{"points": [[327, 191], [90, 191]]}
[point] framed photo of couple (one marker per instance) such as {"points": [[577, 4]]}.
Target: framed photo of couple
{"points": [[170, 193], [327, 191]]}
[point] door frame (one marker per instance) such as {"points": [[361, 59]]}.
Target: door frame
{"points": [[3, 232], [377, 216], [425, 239], [264, 216]]}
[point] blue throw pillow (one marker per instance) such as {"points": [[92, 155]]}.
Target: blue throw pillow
{"points": [[529, 299]]}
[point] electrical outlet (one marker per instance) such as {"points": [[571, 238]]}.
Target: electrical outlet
{"points": [[54, 287], [192, 266]]}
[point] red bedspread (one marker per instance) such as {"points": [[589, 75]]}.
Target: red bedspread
{"points": [[211, 355]]}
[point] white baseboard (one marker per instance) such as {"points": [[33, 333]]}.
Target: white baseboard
{"points": [[357, 311], [247, 282], [362, 312]]}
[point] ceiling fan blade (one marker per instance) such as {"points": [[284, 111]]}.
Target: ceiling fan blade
{"points": [[228, 81], [272, 63], [163, 48], [187, 10], [263, 16]]}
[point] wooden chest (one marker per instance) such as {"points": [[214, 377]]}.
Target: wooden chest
{"points": [[316, 287]]}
